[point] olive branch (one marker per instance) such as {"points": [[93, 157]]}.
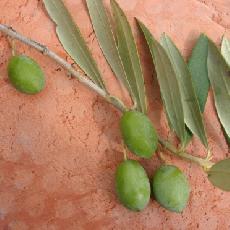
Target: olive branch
{"points": [[82, 78], [183, 86]]}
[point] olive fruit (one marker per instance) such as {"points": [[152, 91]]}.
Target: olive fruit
{"points": [[25, 74], [171, 188], [139, 134], [132, 185]]}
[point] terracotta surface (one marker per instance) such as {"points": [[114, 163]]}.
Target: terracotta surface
{"points": [[59, 149]]}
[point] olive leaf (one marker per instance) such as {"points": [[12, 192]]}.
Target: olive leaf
{"points": [[225, 49], [129, 56], [219, 174], [218, 73], [198, 68], [169, 86], [72, 40], [192, 114], [102, 27]]}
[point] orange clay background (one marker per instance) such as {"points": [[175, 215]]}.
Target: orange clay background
{"points": [[59, 149]]}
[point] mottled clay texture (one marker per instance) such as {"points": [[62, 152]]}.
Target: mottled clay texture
{"points": [[59, 149]]}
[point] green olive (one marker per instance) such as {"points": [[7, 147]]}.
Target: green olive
{"points": [[139, 134], [171, 188], [132, 185], [25, 74]]}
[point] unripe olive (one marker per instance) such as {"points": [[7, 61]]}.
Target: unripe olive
{"points": [[132, 185], [171, 188], [25, 74], [139, 134]]}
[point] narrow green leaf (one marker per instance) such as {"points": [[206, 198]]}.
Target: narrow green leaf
{"points": [[192, 113], [218, 72], [225, 49], [106, 39], [198, 68], [72, 40], [129, 55], [169, 86], [219, 174]]}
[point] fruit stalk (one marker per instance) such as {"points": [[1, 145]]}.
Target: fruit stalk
{"points": [[76, 73]]}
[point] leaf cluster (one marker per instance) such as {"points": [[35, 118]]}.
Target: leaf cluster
{"points": [[184, 86]]}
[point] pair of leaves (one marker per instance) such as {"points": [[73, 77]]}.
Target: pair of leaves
{"points": [[106, 39], [218, 74], [169, 86], [197, 66], [192, 114], [207, 63], [176, 86], [200, 70], [119, 48]]}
